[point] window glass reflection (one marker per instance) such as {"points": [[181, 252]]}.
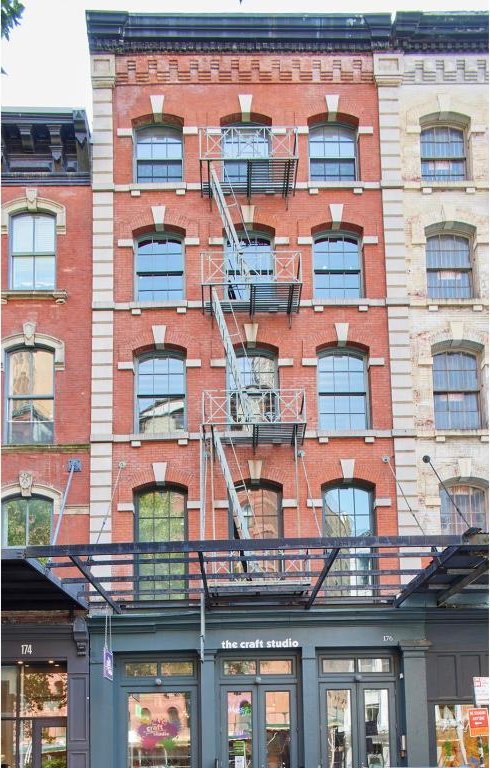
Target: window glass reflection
{"points": [[455, 745], [239, 729], [339, 729], [159, 730]]}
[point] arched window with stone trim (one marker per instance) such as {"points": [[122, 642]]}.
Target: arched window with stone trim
{"points": [[463, 506], [32, 240], [160, 392], [260, 380], [333, 152], [158, 154], [456, 389], [29, 395], [342, 390], [26, 521], [449, 265], [260, 515], [337, 266], [159, 268], [160, 516], [348, 512], [443, 148]]}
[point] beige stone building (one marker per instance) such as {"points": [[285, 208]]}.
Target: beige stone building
{"points": [[434, 150]]}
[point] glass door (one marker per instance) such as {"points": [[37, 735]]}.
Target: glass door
{"points": [[259, 727], [358, 725], [48, 744]]}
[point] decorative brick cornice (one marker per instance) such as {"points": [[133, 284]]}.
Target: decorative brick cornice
{"points": [[147, 70]]}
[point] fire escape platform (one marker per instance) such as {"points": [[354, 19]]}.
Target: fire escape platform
{"points": [[257, 177], [250, 297], [276, 433]]}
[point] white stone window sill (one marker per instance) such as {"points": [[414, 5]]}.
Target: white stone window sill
{"points": [[60, 296]]}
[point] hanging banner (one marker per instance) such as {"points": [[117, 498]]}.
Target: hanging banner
{"points": [[108, 664]]}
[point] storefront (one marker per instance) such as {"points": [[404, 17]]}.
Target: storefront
{"points": [[340, 688], [45, 670]]}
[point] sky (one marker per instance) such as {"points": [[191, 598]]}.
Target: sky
{"points": [[46, 60]]}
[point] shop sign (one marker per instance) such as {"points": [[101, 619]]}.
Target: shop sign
{"points": [[478, 721], [108, 664], [480, 685], [233, 645]]}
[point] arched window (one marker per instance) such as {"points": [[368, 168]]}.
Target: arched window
{"points": [[333, 153], [242, 142], [456, 391], [160, 393], [26, 521], [448, 267], [158, 155], [261, 517], [443, 153], [160, 516], [257, 255], [470, 501], [159, 269], [30, 396], [342, 390], [259, 376], [337, 267], [32, 252], [348, 511]]}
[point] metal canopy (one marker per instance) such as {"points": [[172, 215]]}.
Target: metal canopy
{"points": [[27, 585], [297, 573]]}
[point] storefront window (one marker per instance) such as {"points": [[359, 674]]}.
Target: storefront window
{"points": [[34, 709], [159, 729], [455, 745]]}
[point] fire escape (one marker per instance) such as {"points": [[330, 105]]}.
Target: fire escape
{"points": [[249, 160]]}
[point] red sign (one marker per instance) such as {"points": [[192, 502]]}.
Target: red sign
{"points": [[478, 721]]}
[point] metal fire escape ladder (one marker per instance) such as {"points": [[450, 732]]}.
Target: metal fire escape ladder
{"points": [[231, 357], [238, 516], [228, 225]]}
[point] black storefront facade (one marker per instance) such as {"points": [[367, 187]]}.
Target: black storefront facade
{"points": [[331, 687], [45, 669]]}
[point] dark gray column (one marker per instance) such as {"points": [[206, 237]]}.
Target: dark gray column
{"points": [[311, 719], [207, 705], [416, 705]]}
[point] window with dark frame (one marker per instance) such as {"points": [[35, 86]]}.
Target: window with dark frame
{"points": [[333, 153], [32, 252], [337, 267], [342, 391], [159, 269], [161, 516], [30, 396], [443, 153], [449, 271], [456, 391], [160, 393], [158, 155]]}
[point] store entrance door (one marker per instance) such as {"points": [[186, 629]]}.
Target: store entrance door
{"points": [[259, 726], [48, 743], [358, 725]]}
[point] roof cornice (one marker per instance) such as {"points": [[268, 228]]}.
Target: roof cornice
{"points": [[125, 33]]}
